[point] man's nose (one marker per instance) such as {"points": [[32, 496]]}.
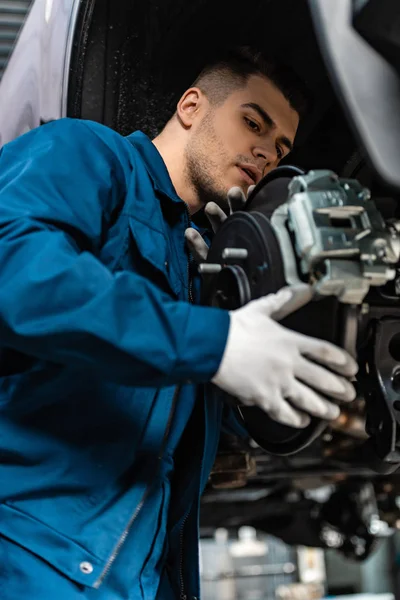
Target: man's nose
{"points": [[265, 156]]}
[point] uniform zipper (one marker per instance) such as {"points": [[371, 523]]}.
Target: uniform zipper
{"points": [[143, 499], [189, 263], [182, 594], [191, 300], [147, 490]]}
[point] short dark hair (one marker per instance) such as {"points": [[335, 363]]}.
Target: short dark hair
{"points": [[231, 70]]}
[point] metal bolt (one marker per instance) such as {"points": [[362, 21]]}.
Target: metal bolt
{"points": [[332, 538], [380, 247], [365, 195], [238, 253], [209, 268], [86, 567], [364, 308]]}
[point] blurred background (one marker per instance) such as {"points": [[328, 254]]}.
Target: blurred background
{"points": [[250, 565], [12, 17]]}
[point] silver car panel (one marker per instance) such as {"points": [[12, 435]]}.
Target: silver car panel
{"points": [[34, 86]]}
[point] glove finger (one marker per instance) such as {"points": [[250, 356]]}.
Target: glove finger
{"points": [[215, 215], [312, 403], [282, 412], [270, 304], [276, 407], [287, 300], [197, 245], [301, 294], [236, 198], [328, 354], [250, 189], [324, 381]]}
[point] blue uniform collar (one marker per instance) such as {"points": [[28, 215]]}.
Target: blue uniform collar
{"points": [[155, 165]]}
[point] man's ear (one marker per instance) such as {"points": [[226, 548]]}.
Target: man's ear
{"points": [[190, 106]]}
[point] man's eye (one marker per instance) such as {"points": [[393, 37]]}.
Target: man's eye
{"points": [[252, 124], [279, 152]]}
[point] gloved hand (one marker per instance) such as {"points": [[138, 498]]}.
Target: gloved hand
{"points": [[236, 201], [267, 365]]}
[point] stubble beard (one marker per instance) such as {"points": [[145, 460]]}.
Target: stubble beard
{"points": [[201, 171]]}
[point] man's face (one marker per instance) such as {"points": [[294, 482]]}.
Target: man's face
{"points": [[239, 141]]}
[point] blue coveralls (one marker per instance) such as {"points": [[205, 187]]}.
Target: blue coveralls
{"points": [[97, 332]]}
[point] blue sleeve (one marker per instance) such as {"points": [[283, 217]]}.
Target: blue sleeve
{"points": [[59, 187]]}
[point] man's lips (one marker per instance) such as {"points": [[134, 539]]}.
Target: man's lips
{"points": [[250, 173]]}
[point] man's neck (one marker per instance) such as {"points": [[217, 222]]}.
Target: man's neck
{"points": [[171, 149]]}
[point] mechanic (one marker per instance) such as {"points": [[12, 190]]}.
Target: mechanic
{"points": [[107, 431]]}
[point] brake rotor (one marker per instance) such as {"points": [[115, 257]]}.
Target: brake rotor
{"points": [[245, 263], [250, 277]]}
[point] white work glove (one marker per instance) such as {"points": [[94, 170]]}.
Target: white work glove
{"points": [[216, 216], [267, 365]]}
